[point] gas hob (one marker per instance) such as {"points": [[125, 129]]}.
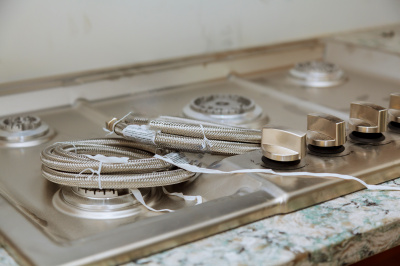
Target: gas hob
{"points": [[78, 225]]}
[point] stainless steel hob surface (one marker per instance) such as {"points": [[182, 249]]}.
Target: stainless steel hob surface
{"points": [[230, 200]]}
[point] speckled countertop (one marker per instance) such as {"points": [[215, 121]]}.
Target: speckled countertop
{"points": [[337, 232]]}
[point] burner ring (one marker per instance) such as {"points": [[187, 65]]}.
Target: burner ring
{"points": [[224, 108], [100, 203], [317, 74], [24, 131]]}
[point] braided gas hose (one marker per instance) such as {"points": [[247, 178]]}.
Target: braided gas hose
{"points": [[188, 135], [70, 164], [211, 132], [67, 163]]}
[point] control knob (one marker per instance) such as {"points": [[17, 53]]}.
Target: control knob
{"points": [[394, 112], [325, 133], [367, 121], [283, 145]]}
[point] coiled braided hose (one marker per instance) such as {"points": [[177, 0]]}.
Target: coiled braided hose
{"points": [[66, 163], [188, 135]]}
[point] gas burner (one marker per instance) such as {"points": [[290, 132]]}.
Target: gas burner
{"points": [[101, 203], [24, 131], [317, 74], [226, 108]]}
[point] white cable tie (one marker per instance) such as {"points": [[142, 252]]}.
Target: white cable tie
{"points": [[97, 172], [206, 144], [176, 159], [102, 159], [154, 137], [113, 127], [138, 195], [76, 151], [198, 199]]}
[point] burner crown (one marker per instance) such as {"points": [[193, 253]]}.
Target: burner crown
{"points": [[229, 109], [317, 74], [20, 123], [23, 131], [222, 104]]}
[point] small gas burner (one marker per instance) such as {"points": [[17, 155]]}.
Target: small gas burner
{"points": [[226, 108], [100, 203], [317, 74], [23, 131]]}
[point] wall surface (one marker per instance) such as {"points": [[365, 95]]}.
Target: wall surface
{"points": [[44, 37]]}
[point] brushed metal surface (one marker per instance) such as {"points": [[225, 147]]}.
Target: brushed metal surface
{"points": [[359, 87]]}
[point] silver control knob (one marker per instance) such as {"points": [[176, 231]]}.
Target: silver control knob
{"points": [[283, 145], [394, 108], [325, 130], [367, 118]]}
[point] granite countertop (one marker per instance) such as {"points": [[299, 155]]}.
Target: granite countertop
{"points": [[337, 232]]}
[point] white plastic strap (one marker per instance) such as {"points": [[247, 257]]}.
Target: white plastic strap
{"points": [[76, 151], [138, 195], [179, 161], [140, 133], [198, 199], [206, 144], [102, 159], [97, 172]]}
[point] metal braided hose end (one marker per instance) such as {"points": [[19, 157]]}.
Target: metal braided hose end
{"points": [[135, 120]]}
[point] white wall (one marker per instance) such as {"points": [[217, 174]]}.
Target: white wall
{"points": [[46, 37]]}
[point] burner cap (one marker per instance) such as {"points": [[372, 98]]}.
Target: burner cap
{"points": [[225, 108], [317, 74], [23, 131]]}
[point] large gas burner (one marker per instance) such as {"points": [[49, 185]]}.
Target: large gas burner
{"points": [[226, 108], [24, 131], [100, 203], [317, 74]]}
